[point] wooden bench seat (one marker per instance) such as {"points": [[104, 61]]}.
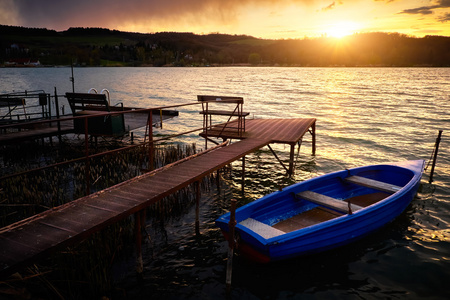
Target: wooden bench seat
{"points": [[86, 104], [86, 101], [92, 112], [236, 105], [374, 184], [338, 205], [262, 229], [8, 102], [224, 113]]}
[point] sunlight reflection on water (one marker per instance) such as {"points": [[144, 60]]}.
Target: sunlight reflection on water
{"points": [[364, 116]]}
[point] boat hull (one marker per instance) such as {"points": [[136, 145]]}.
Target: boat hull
{"points": [[341, 230]]}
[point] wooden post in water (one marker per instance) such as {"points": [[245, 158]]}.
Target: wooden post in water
{"points": [[57, 114], [72, 79], [243, 175], [313, 133], [291, 160], [436, 149], [150, 140], [197, 208], [87, 165], [231, 244], [218, 180], [138, 233]]}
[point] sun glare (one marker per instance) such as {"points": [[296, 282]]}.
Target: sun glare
{"points": [[341, 29]]}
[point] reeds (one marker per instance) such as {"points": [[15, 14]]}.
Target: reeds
{"points": [[86, 266]]}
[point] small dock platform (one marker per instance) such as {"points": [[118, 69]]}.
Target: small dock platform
{"points": [[283, 131], [135, 118], [36, 237]]}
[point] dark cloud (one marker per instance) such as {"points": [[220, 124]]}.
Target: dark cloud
{"points": [[444, 18], [424, 10], [427, 10], [62, 14]]}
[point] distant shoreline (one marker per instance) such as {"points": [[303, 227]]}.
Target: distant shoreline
{"points": [[222, 66]]}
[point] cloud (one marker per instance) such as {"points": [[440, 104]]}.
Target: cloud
{"points": [[427, 10], [332, 6], [62, 14], [424, 10], [8, 13], [444, 18], [329, 7]]}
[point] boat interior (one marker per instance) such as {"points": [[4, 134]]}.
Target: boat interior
{"points": [[321, 214], [313, 206]]}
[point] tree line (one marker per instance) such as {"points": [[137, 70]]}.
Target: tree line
{"points": [[104, 47]]}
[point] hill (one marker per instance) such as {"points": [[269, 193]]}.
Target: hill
{"points": [[104, 47]]}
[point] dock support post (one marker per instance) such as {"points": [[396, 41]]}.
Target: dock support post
{"points": [[138, 220], [243, 175], [150, 140], [291, 160], [218, 180], [436, 149], [87, 165], [313, 133], [197, 208], [231, 244], [57, 114]]}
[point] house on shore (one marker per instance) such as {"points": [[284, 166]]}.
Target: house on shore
{"points": [[22, 62]]}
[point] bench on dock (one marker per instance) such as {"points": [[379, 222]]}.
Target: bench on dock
{"points": [[9, 102], [264, 230], [105, 122], [326, 201], [374, 184], [237, 111]]}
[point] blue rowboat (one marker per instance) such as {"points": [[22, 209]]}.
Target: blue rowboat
{"points": [[325, 212]]}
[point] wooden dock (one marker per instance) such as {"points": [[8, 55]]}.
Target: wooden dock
{"points": [[38, 236], [35, 130]]}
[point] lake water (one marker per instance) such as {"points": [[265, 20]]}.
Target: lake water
{"points": [[364, 116]]}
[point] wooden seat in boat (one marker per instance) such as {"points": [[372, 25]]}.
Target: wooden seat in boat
{"points": [[374, 184], [260, 228], [327, 201]]}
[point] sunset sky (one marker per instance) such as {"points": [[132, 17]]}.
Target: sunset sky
{"points": [[271, 19]]}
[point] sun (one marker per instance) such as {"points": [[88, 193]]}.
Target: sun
{"points": [[341, 29]]}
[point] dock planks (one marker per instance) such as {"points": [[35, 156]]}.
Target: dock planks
{"points": [[28, 240], [285, 131]]}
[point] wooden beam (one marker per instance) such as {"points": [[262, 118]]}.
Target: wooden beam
{"points": [[243, 175], [291, 160], [137, 231], [338, 205], [374, 184], [197, 208]]}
